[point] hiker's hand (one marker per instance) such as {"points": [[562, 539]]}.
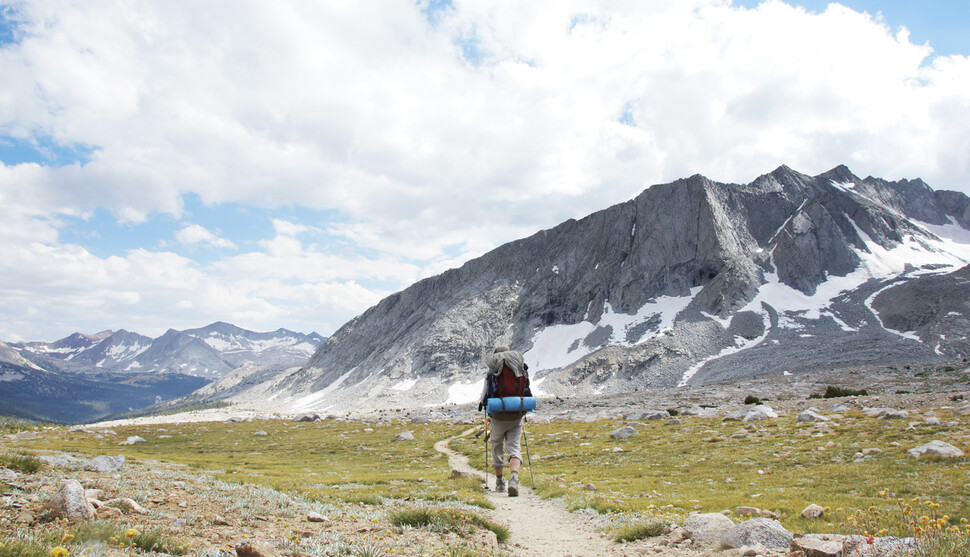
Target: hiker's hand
{"points": [[481, 406]]}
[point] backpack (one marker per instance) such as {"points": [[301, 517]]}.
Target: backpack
{"points": [[506, 384]]}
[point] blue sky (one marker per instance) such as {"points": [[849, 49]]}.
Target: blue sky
{"points": [[288, 165]]}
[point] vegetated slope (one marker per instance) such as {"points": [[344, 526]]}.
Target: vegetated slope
{"points": [[67, 398], [690, 282]]}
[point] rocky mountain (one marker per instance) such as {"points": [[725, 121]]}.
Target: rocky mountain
{"points": [[691, 282], [208, 352]]}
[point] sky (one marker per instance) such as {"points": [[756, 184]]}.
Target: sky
{"points": [[290, 163]]}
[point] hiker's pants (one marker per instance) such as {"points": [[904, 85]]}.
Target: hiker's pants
{"points": [[507, 433]]}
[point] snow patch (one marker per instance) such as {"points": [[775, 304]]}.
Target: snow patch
{"points": [[558, 346], [740, 343], [307, 402], [405, 385], [460, 393]]}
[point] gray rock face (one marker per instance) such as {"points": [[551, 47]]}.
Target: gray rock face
{"points": [[707, 528], [758, 531], [659, 285], [623, 433], [70, 503], [810, 416]]}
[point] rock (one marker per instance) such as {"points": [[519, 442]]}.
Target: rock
{"points": [[886, 413], [234, 420], [590, 487], [218, 520], [810, 416], [699, 411], [307, 418], [858, 546], [935, 448], [7, 475], [106, 464], [69, 502], [255, 549], [649, 415], [93, 494], [768, 514], [707, 527], [962, 410], [62, 460], [932, 421], [623, 433], [760, 412], [840, 408], [405, 436], [674, 421], [126, 505], [109, 513], [132, 440], [758, 531], [260, 433], [747, 511], [813, 511], [818, 546], [316, 517], [457, 474]]}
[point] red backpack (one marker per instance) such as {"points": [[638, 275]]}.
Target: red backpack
{"points": [[507, 384]]}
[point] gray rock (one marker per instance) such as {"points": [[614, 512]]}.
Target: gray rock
{"points": [[126, 505], [70, 503], [818, 545], [840, 408], [62, 460], [810, 416], [935, 448], [316, 517], [7, 475], [758, 531], [131, 440], [405, 436], [708, 527], [622, 433], [932, 421], [260, 433], [747, 511], [858, 546], [307, 418], [760, 412], [649, 415], [105, 464], [813, 511]]}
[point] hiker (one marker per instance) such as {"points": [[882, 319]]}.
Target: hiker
{"points": [[508, 375]]}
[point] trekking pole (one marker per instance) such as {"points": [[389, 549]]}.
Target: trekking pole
{"points": [[529, 456], [486, 452]]}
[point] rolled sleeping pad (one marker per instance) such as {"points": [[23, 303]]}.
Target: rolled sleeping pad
{"points": [[512, 404]]}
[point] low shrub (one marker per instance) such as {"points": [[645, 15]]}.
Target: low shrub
{"points": [[751, 399], [447, 520], [640, 530], [21, 463], [833, 391]]}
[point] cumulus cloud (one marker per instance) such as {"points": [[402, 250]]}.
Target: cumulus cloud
{"points": [[433, 135], [196, 235]]}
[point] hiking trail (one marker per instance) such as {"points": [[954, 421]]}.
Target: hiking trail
{"points": [[542, 528]]}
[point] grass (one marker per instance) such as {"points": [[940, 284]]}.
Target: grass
{"points": [[779, 465], [21, 463], [640, 530], [72, 539], [447, 520]]}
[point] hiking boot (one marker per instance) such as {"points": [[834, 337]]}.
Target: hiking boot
{"points": [[500, 485], [514, 486]]}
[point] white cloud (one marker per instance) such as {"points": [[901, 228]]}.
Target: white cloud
{"points": [[427, 157], [195, 235]]}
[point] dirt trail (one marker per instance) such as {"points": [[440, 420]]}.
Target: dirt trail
{"points": [[540, 527]]}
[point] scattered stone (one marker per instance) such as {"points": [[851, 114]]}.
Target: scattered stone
{"points": [[69, 502], [623, 433], [132, 440], [935, 448], [218, 520], [932, 421], [590, 487], [707, 527], [813, 511], [234, 420], [811, 416], [457, 474], [962, 410], [674, 421], [109, 513], [649, 415], [813, 545], [758, 531], [7, 475], [105, 464], [405, 436], [316, 517], [62, 460], [255, 549], [307, 418], [765, 513], [747, 511], [261, 433], [126, 505]]}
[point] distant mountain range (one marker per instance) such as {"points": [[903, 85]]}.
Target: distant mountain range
{"points": [[691, 282], [83, 377]]}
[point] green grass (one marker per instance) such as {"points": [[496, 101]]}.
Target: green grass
{"points": [[447, 520], [21, 463], [779, 465], [73, 538], [641, 530]]}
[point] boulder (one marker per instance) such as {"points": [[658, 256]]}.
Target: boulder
{"points": [[811, 416], [623, 433], [405, 436], [62, 460], [649, 415], [105, 464], [813, 511], [699, 411], [747, 511], [316, 517], [859, 546], [962, 410], [260, 433], [818, 545], [935, 448], [707, 527], [70, 503], [758, 531], [760, 412], [132, 440], [307, 418], [7, 475]]}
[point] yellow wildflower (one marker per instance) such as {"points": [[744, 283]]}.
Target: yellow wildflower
{"points": [[131, 533], [59, 552]]}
